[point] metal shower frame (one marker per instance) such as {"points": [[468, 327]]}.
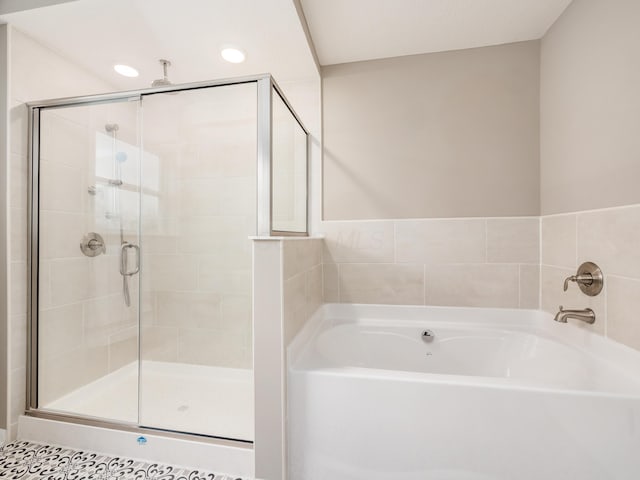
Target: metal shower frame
{"points": [[266, 88]]}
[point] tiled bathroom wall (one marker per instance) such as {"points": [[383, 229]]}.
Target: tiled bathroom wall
{"points": [[480, 262], [610, 238], [197, 260], [302, 276], [30, 64], [86, 330]]}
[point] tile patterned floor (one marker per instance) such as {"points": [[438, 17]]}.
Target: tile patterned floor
{"points": [[30, 461]]}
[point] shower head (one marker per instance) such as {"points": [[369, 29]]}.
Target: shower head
{"points": [[164, 81], [111, 127]]}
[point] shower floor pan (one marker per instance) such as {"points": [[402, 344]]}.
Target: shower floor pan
{"points": [[188, 398]]}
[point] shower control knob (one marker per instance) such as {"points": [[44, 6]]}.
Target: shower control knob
{"points": [[93, 245]]}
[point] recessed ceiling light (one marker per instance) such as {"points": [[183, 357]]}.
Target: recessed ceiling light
{"points": [[126, 70], [232, 54]]}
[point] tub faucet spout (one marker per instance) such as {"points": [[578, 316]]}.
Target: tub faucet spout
{"points": [[587, 315]]}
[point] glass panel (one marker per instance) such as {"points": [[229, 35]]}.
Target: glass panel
{"points": [[87, 310], [289, 170], [199, 208]]}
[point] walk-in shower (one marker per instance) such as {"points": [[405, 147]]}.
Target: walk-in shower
{"points": [[142, 205]]}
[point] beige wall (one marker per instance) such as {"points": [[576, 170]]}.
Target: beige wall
{"points": [[451, 134], [590, 107]]}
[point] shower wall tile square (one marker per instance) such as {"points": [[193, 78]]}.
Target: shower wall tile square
{"points": [[302, 272], [294, 305], [173, 272], [159, 344], [160, 244], [513, 240], [473, 285], [54, 377], [623, 305], [559, 246], [187, 309], [104, 316], [358, 242], [235, 314], [314, 282], [210, 235], [300, 256], [441, 241], [200, 196], [331, 280], [69, 280], [238, 195], [64, 189], [224, 281], [60, 234], [63, 329], [610, 238], [65, 141], [206, 347], [382, 283], [530, 286], [123, 348]]}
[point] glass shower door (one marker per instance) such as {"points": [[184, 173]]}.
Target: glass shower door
{"points": [[199, 209], [88, 279]]}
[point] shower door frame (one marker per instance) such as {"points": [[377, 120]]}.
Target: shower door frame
{"points": [[266, 87]]}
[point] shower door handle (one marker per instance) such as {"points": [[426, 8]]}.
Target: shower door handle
{"points": [[124, 259]]}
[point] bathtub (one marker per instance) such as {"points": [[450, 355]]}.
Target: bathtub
{"points": [[487, 394]]}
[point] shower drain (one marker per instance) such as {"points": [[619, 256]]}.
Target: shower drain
{"points": [[183, 408]]}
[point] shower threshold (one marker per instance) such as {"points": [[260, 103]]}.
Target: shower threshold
{"points": [[214, 401]]}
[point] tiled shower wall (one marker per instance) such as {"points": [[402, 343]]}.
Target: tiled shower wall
{"points": [[610, 238], [480, 262], [31, 63], [197, 260], [86, 330]]}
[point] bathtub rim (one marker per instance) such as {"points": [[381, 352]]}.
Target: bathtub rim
{"points": [[603, 349]]}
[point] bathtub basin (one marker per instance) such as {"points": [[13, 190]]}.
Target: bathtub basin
{"points": [[493, 394]]}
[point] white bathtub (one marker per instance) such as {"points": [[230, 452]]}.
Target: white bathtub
{"points": [[496, 394]]}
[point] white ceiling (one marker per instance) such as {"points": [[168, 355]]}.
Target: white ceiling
{"points": [[100, 33], [355, 30]]}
